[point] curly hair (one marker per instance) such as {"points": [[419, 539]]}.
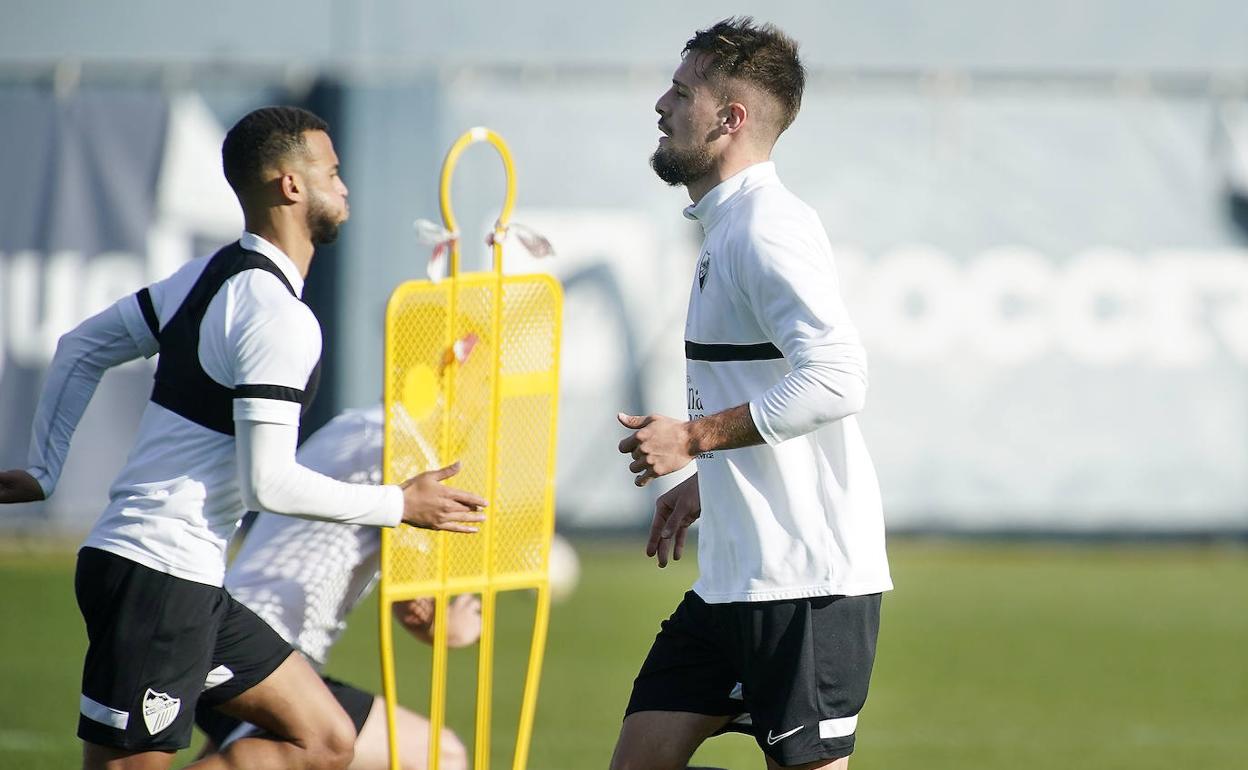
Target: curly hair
{"points": [[261, 139], [758, 54]]}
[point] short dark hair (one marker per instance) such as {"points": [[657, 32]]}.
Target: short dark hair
{"points": [[261, 139], [759, 54]]}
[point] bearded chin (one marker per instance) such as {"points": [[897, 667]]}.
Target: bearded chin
{"points": [[322, 228], [680, 167], [323, 231]]}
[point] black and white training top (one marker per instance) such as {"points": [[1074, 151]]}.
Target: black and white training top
{"points": [[238, 351], [799, 515]]}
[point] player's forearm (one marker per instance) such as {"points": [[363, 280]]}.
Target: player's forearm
{"points": [[812, 395], [82, 356], [271, 480], [730, 429]]}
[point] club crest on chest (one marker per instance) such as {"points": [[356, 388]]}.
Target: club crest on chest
{"points": [[704, 268]]}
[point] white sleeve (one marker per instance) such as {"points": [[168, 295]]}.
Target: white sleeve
{"points": [[272, 480], [788, 279], [112, 337], [272, 343]]}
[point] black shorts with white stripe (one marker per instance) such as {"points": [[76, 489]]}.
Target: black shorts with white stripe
{"points": [[792, 673], [158, 644]]}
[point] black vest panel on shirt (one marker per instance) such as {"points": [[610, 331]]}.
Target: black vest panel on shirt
{"points": [[182, 386]]}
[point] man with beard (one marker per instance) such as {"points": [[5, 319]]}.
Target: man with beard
{"points": [[239, 356], [777, 637]]}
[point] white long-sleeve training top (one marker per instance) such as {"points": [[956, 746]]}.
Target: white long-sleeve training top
{"points": [[175, 504], [800, 515]]}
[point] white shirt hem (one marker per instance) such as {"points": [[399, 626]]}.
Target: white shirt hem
{"points": [[799, 592], [145, 558]]}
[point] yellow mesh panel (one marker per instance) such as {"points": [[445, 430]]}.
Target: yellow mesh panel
{"points": [[440, 380]]}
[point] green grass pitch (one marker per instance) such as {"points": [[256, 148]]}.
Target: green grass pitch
{"points": [[991, 655]]}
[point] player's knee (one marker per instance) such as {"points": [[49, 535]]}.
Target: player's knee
{"points": [[454, 753], [335, 746]]}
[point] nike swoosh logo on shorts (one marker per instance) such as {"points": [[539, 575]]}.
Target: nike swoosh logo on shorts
{"points": [[773, 740]]}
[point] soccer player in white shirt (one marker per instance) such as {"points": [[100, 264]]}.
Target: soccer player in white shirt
{"points": [[303, 577], [239, 357], [777, 636]]}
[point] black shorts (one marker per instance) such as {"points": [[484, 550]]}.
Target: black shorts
{"points": [[798, 668], [157, 645], [219, 726]]}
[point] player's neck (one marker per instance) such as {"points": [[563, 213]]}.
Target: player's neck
{"points": [[730, 164], [289, 236]]}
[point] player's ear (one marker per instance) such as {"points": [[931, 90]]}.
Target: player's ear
{"points": [[292, 186], [732, 116]]}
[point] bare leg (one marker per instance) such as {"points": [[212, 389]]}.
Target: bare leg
{"points": [[97, 757], [372, 749], [208, 749], [292, 703], [662, 740]]}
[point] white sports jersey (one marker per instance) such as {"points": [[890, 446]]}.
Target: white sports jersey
{"points": [[800, 515], [175, 504], [304, 577]]}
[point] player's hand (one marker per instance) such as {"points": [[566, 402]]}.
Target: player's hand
{"points": [[659, 445], [430, 504], [463, 628], [416, 615], [463, 625], [675, 510], [17, 486]]}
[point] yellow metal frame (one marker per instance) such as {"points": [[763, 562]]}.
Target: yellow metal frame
{"points": [[443, 587]]}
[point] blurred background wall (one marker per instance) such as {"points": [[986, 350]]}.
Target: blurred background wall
{"points": [[1040, 213]]}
